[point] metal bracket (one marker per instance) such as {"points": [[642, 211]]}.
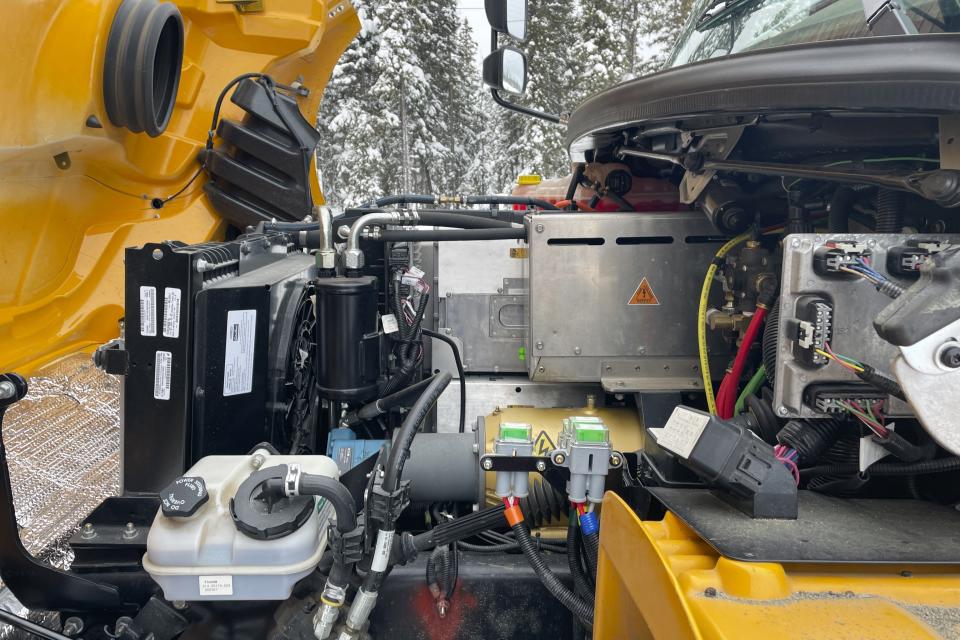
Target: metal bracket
{"points": [[715, 144], [537, 464], [887, 18]]}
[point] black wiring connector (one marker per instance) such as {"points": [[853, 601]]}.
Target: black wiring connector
{"points": [[879, 381]]}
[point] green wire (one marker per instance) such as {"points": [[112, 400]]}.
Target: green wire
{"points": [[750, 389]]}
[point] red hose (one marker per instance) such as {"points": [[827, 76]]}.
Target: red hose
{"points": [[731, 382]]}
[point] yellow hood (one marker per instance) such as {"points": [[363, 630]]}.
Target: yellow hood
{"points": [[73, 196]]}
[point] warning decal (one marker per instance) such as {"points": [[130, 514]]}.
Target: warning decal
{"points": [[644, 295], [542, 444]]}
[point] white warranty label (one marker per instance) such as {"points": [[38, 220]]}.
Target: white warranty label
{"points": [[171, 312], [389, 322], [238, 355], [216, 585], [682, 431], [162, 370], [148, 311]]}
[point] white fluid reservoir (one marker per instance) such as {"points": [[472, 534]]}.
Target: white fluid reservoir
{"points": [[205, 557]]}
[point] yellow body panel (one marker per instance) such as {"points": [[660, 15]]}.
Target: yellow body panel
{"points": [[65, 224], [658, 579]]}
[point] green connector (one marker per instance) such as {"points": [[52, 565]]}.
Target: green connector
{"points": [[516, 432], [589, 429]]}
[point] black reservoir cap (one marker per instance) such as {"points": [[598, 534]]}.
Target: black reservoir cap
{"points": [[182, 497]]}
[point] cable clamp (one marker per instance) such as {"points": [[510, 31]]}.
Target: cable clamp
{"points": [[291, 482]]}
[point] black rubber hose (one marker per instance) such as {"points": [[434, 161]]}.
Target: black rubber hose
{"points": [[591, 542], [889, 217], [460, 372], [381, 406], [575, 181], [440, 235], [291, 227], [577, 606], [29, 626], [411, 424], [521, 200], [458, 221], [840, 204], [941, 465], [405, 198], [336, 494]]}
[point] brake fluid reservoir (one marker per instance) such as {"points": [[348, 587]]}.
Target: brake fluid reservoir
{"points": [[196, 550]]}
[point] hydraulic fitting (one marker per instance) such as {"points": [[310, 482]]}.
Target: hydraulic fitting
{"points": [[515, 439], [584, 448]]}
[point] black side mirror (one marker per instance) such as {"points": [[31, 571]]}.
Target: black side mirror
{"points": [[508, 16], [506, 70]]}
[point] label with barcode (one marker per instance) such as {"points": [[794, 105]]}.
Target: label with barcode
{"points": [[162, 371], [239, 351], [148, 311], [171, 312]]}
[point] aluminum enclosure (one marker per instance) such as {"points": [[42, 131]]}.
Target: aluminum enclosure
{"points": [[609, 299]]}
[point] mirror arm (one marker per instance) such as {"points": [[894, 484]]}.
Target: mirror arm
{"points": [[549, 117], [542, 115]]}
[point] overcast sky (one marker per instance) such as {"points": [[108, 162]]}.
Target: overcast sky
{"points": [[472, 10]]}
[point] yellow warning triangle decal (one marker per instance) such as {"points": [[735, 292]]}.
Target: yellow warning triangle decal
{"points": [[644, 295]]}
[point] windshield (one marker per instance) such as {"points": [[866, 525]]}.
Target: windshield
{"points": [[759, 24]]}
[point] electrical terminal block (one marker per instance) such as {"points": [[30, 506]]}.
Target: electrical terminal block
{"points": [[584, 448], [514, 439]]}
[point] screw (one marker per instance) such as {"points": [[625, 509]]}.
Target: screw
{"points": [[487, 464], [157, 254], [7, 390], [87, 532], [615, 460], [608, 368], [129, 531], [782, 411], [795, 243], [539, 346], [179, 605], [540, 369], [539, 228], [559, 458], [950, 357], [257, 461], [541, 465], [576, 351]]}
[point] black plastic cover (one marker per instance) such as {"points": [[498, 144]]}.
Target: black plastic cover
{"points": [[262, 516]]}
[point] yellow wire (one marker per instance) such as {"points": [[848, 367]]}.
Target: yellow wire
{"points": [[702, 319], [846, 365]]}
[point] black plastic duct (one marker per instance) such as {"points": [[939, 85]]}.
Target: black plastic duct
{"points": [[141, 69]]}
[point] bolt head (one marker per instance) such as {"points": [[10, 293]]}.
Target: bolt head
{"points": [[257, 461], [950, 357], [540, 369], [487, 464], [559, 458], [782, 411], [615, 460], [541, 465], [576, 350], [795, 243], [539, 228], [7, 390], [539, 345]]}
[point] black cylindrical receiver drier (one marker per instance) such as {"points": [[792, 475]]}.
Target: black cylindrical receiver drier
{"points": [[348, 339]]}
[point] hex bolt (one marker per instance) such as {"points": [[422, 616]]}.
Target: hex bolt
{"points": [[87, 531], [782, 411], [615, 460], [7, 390], [539, 345], [539, 228], [130, 531], [541, 465], [72, 626], [950, 357], [257, 461], [487, 464]]}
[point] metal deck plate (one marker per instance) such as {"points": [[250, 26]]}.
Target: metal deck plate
{"points": [[829, 530]]}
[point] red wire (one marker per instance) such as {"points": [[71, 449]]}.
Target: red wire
{"points": [[732, 380]]}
